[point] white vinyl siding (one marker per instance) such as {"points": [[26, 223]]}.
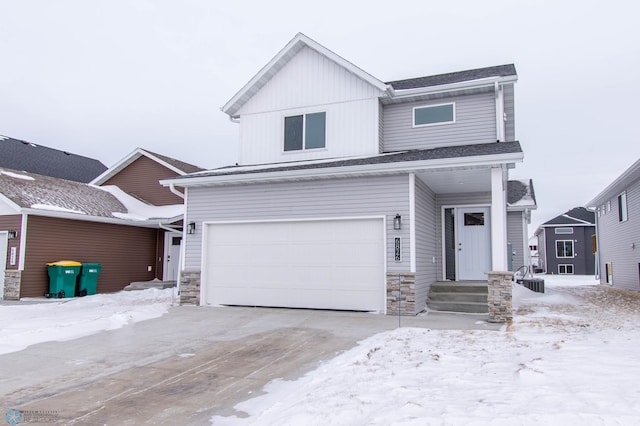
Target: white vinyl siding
{"points": [[332, 198], [310, 82], [426, 252], [475, 122]]}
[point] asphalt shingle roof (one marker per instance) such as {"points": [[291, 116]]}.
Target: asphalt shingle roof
{"points": [[518, 191], [575, 216], [454, 77], [180, 165], [398, 157], [21, 155]]}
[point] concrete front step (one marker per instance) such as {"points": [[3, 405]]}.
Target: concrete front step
{"points": [[459, 296]]}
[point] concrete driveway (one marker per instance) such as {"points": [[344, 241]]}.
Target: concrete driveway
{"points": [[189, 364]]}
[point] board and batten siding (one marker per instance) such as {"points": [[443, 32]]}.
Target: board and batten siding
{"points": [[509, 110], [11, 223], [425, 220], [454, 200], [475, 122], [616, 239], [125, 252], [515, 236], [141, 178], [310, 83], [322, 199]]}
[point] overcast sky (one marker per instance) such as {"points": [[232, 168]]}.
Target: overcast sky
{"points": [[100, 78]]}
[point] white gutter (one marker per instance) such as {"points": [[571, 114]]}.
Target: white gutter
{"points": [[173, 189], [499, 95], [88, 218], [471, 84], [23, 242], [346, 171]]}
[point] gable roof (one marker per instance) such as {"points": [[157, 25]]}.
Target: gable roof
{"points": [[281, 59], [48, 196], [179, 167], [578, 216], [503, 152], [615, 188], [520, 193], [455, 77], [33, 158]]}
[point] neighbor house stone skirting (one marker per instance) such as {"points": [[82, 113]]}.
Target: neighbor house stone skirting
{"points": [[406, 282], [12, 279], [190, 288], [500, 296]]}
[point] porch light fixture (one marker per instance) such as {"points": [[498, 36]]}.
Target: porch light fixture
{"points": [[191, 228], [397, 222], [12, 235]]}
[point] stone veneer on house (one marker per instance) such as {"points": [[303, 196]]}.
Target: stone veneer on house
{"points": [[406, 281], [500, 296], [12, 280], [190, 288]]}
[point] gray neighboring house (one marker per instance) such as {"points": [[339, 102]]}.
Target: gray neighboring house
{"points": [[618, 227], [33, 158], [565, 243], [349, 188]]}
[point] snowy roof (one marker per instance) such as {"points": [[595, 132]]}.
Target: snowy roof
{"points": [[29, 157], [49, 195], [576, 216], [520, 193]]}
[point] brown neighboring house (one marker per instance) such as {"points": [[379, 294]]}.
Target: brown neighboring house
{"points": [[124, 220]]}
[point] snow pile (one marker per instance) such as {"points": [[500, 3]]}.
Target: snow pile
{"points": [[16, 175], [569, 357], [55, 208], [68, 319], [137, 210]]}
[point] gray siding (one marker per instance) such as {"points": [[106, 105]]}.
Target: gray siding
{"points": [[542, 251], [515, 236], [425, 242], [380, 128], [479, 198], [583, 262], [333, 198], [509, 109], [475, 123], [616, 239]]}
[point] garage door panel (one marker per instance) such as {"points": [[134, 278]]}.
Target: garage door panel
{"points": [[330, 264]]}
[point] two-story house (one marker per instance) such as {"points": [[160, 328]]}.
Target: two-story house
{"points": [[348, 187], [618, 229]]}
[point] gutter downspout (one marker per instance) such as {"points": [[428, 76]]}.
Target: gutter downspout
{"points": [[173, 189], [499, 112], [597, 253]]}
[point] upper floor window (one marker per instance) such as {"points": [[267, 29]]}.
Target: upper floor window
{"points": [[564, 248], [622, 207], [564, 230], [432, 115], [306, 131]]}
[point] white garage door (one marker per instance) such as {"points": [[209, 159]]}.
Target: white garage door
{"points": [[323, 264]]}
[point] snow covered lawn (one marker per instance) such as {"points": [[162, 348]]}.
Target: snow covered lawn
{"points": [[66, 319], [570, 357]]}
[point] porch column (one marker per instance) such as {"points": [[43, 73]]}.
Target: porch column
{"points": [[498, 220]]}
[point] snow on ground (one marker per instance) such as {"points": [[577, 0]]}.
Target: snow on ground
{"points": [[569, 357], [66, 319]]}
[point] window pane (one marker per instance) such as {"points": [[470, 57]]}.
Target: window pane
{"points": [[568, 249], [564, 230], [622, 207], [433, 115], [293, 133], [474, 219], [315, 130]]}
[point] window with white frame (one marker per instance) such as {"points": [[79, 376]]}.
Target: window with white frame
{"points": [[622, 207], [564, 230], [305, 131], [434, 115], [608, 206], [564, 248], [565, 269]]}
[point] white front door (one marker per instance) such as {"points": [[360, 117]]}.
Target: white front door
{"points": [[473, 242], [4, 239], [172, 244]]}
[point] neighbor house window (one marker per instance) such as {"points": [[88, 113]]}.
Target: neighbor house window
{"points": [[565, 269], [564, 248], [434, 115], [564, 230], [622, 207], [306, 131]]}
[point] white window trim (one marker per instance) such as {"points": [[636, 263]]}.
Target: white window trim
{"points": [[413, 115], [623, 212], [573, 249], [304, 133], [565, 265]]}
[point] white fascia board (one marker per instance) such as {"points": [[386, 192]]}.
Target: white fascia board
{"points": [[482, 82], [87, 218], [519, 208], [235, 103], [162, 162], [8, 202], [617, 186], [347, 171], [566, 225]]}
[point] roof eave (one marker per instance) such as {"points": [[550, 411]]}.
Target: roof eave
{"points": [[469, 84], [346, 171], [126, 161], [89, 218], [617, 186]]}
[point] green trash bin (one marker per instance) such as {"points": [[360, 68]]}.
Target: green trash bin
{"points": [[88, 282], [62, 278]]}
